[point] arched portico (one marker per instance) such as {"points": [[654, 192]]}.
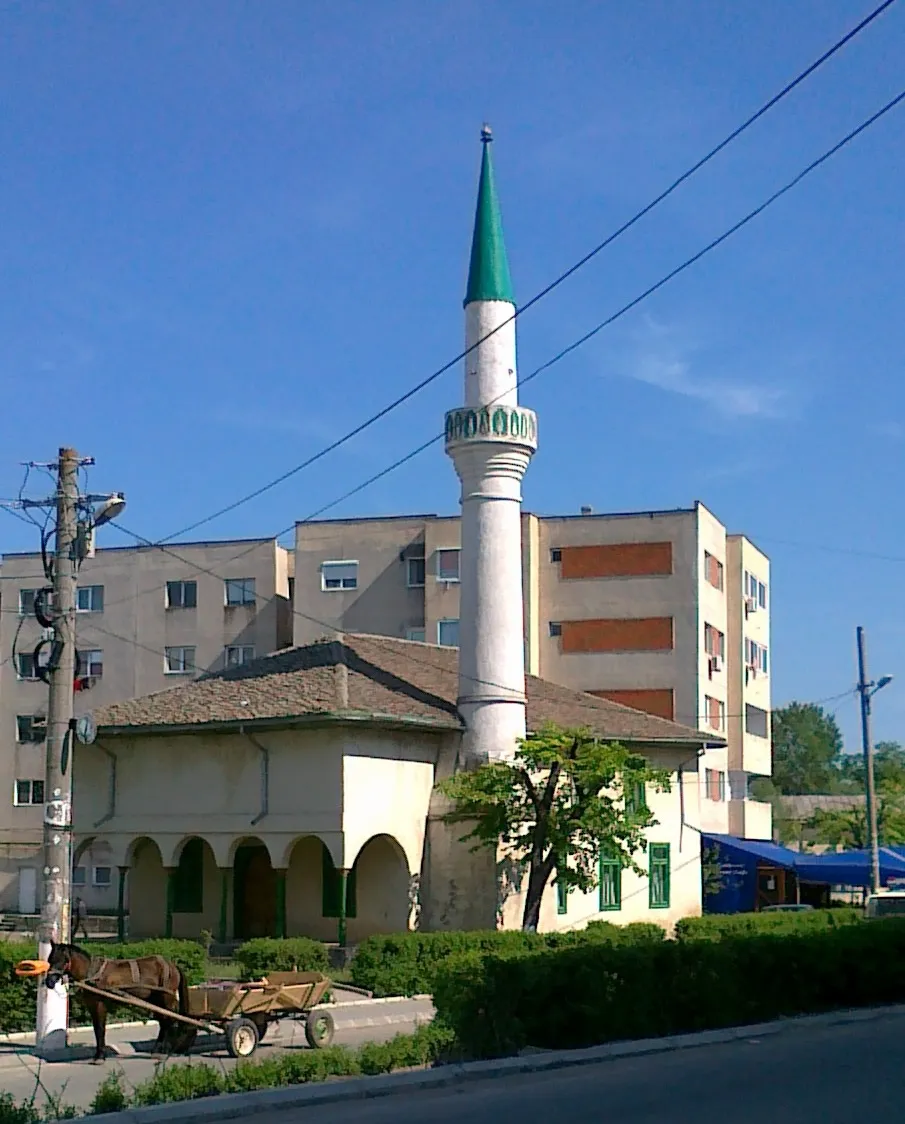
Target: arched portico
{"points": [[381, 881], [147, 888], [258, 891]]}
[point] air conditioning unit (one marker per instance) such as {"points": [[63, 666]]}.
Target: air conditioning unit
{"points": [[752, 671], [716, 663], [750, 606]]}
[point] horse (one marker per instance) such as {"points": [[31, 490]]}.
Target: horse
{"points": [[151, 978]]}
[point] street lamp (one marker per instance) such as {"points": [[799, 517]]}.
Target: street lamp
{"points": [[867, 688]]}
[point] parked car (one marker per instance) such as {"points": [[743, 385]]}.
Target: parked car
{"points": [[886, 903]]}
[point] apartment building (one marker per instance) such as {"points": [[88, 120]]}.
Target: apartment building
{"points": [[147, 620], [661, 611]]}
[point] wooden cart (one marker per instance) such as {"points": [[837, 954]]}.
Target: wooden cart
{"points": [[243, 1012]]}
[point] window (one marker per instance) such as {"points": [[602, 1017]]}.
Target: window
{"points": [[339, 575], [715, 784], [28, 792], [714, 642], [102, 877], [188, 879], [31, 727], [755, 590], [448, 565], [89, 599], [635, 798], [331, 883], [179, 661], [415, 634], [756, 721], [78, 876], [756, 655], [562, 897], [658, 871], [556, 554], [762, 595], [448, 633], [91, 664], [713, 570], [182, 595], [25, 666], [610, 889], [240, 591], [555, 628], [716, 713], [236, 655], [414, 571], [27, 602]]}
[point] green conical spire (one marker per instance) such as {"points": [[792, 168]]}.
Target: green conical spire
{"points": [[488, 270]]}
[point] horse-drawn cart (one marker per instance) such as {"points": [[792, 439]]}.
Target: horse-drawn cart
{"points": [[242, 1012]]}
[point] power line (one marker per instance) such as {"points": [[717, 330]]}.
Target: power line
{"points": [[419, 386], [576, 344]]}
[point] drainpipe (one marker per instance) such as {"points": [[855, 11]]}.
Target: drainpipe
{"points": [[265, 775], [111, 799]]}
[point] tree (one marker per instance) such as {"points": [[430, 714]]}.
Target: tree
{"points": [[848, 826], [564, 799], [889, 767], [807, 749]]}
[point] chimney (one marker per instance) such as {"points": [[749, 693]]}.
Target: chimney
{"points": [[586, 509]]}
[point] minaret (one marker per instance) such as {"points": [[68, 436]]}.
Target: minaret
{"points": [[491, 439]]}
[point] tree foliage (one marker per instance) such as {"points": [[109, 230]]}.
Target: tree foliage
{"points": [[807, 750], [563, 799]]}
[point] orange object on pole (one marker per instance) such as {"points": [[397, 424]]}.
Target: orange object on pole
{"points": [[27, 969]]}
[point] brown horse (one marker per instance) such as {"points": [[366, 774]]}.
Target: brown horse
{"points": [[151, 978]]}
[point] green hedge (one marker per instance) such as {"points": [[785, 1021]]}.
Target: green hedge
{"points": [[719, 926], [18, 997], [407, 963], [584, 996], [265, 954]]}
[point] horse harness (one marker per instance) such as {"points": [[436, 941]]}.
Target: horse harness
{"points": [[98, 965]]}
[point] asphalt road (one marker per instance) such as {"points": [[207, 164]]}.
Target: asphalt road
{"points": [[834, 1075], [74, 1083]]}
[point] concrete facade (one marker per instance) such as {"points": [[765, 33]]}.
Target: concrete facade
{"points": [[644, 608], [141, 631]]}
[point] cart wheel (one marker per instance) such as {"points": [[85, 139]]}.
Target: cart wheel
{"points": [[319, 1029], [241, 1038]]}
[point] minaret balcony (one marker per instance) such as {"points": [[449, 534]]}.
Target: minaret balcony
{"points": [[510, 425]]}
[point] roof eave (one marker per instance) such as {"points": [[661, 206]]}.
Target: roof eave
{"points": [[283, 722]]}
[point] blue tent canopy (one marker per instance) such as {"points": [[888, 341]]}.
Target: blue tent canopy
{"points": [[849, 868]]}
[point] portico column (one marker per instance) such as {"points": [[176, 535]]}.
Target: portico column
{"points": [[170, 873], [280, 875], [121, 905], [225, 873]]}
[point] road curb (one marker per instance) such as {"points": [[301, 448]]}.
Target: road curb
{"points": [[231, 1106]]}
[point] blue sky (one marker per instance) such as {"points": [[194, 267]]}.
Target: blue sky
{"points": [[230, 231]]}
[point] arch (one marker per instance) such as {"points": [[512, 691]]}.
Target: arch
{"points": [[81, 847], [333, 844], [147, 886], [383, 888], [138, 845]]}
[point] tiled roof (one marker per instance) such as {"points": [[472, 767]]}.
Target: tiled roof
{"points": [[804, 806], [370, 676]]}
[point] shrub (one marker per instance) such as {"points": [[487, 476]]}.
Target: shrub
{"points": [[179, 1083], [16, 1112], [406, 963], [717, 926], [110, 1095], [593, 993], [18, 997], [264, 954]]}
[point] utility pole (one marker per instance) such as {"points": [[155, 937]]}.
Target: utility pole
{"points": [[865, 690], [55, 906]]}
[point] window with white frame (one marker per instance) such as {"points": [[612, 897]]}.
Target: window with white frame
{"points": [[78, 876], [339, 575], [414, 572], [102, 877], [755, 590], [415, 634], [179, 661], [31, 727], [448, 564], [714, 641], [756, 656], [716, 713], [27, 602], [715, 784], [91, 663], [237, 654], [27, 793], [713, 570], [89, 599], [239, 591], [448, 633], [25, 666], [182, 595]]}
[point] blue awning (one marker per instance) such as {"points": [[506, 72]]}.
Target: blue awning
{"points": [[849, 868], [761, 849]]}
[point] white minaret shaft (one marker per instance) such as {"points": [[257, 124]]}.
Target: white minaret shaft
{"points": [[491, 440]]}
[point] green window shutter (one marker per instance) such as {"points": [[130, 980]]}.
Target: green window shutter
{"points": [[610, 884], [635, 799], [562, 897], [330, 885], [188, 890], [658, 875]]}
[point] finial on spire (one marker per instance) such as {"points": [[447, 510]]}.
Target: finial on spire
{"points": [[488, 272]]}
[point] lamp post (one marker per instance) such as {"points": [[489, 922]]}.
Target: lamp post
{"points": [[867, 689]]}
